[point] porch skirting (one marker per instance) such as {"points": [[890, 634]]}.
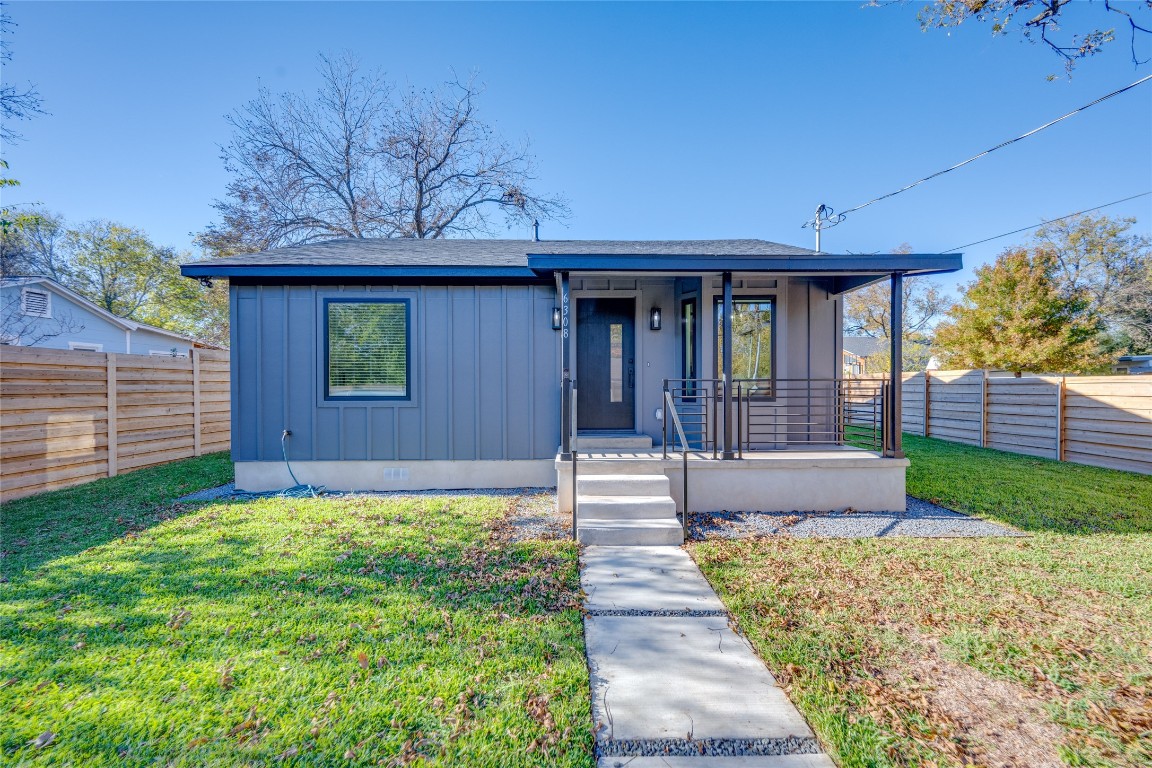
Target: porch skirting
{"points": [[396, 475], [785, 481]]}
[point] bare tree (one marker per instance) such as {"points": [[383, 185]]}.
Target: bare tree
{"points": [[17, 102], [355, 162], [452, 170]]}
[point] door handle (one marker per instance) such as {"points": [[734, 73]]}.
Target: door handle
{"points": [[631, 377]]}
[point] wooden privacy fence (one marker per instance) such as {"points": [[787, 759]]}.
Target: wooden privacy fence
{"points": [[1105, 421], [71, 417]]}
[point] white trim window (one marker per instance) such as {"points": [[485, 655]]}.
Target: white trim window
{"points": [[166, 353], [85, 346], [35, 302]]}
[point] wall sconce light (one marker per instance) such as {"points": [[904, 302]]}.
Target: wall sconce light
{"points": [[557, 319], [654, 319]]}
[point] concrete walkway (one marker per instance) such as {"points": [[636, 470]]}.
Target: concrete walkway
{"points": [[672, 684]]}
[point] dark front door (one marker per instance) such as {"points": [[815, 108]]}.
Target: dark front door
{"points": [[605, 363]]}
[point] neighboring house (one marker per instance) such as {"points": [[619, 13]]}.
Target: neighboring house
{"points": [[859, 352], [418, 364], [1134, 364], [39, 312]]}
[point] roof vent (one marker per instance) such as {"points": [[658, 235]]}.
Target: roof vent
{"points": [[35, 303]]}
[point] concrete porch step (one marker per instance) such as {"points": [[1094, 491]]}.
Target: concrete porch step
{"points": [[625, 507], [661, 532], [622, 485], [613, 442]]}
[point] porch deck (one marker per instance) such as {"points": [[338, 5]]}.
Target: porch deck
{"points": [[797, 478]]}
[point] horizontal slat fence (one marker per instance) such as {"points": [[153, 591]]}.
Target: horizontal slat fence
{"points": [[69, 417], [1105, 421]]}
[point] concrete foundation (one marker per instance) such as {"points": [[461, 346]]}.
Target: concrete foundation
{"points": [[784, 481], [396, 475]]}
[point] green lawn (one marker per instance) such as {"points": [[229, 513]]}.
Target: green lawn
{"points": [[950, 652], [357, 630]]}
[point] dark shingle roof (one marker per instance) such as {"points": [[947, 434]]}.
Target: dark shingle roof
{"points": [[536, 260], [409, 252], [865, 346]]}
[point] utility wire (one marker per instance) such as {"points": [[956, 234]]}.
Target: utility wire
{"points": [[838, 217], [1035, 226]]}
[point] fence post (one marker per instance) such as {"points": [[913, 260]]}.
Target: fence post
{"points": [[110, 364], [983, 407], [195, 355], [927, 380], [1060, 391]]}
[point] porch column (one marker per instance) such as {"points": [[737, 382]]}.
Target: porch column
{"points": [[726, 363], [895, 417], [565, 371]]}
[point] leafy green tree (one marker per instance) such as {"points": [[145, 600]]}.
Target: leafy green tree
{"points": [[1016, 317], [119, 268], [1099, 257], [868, 312]]}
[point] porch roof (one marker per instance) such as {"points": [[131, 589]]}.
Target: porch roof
{"points": [[536, 260]]}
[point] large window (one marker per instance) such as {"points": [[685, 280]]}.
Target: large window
{"points": [[367, 349], [753, 338]]}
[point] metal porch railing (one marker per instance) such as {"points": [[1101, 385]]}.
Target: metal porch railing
{"points": [[777, 414]]}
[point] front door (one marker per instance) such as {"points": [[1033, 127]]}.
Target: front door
{"points": [[605, 364]]}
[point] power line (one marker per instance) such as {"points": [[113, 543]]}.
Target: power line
{"points": [[1035, 226], [831, 219]]}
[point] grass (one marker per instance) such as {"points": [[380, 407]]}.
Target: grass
{"points": [[351, 631], [950, 652]]}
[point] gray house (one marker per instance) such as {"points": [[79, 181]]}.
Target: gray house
{"points": [[666, 369], [39, 312]]}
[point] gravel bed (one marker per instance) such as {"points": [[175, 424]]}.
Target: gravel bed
{"points": [[789, 745], [210, 494], [535, 516], [922, 520]]}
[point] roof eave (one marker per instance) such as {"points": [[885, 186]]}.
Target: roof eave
{"points": [[210, 270], [912, 263]]}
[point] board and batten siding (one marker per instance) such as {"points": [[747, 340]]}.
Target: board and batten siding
{"points": [[485, 380]]}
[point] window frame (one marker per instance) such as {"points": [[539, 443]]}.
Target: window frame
{"points": [[770, 300], [85, 346], [331, 398]]}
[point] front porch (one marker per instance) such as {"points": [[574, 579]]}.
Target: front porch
{"points": [[797, 478], [728, 386]]}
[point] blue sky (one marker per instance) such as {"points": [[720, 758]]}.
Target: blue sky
{"points": [[654, 120]]}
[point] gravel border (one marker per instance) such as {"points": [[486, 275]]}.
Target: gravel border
{"points": [[536, 517], [922, 520], [210, 494], [788, 745]]}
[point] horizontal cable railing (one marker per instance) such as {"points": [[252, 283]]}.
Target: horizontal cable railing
{"points": [[780, 413], [774, 414]]}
